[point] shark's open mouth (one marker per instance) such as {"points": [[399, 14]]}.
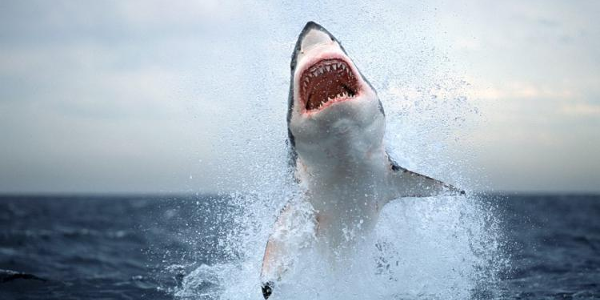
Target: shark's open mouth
{"points": [[327, 81]]}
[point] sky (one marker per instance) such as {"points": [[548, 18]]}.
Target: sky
{"points": [[190, 97]]}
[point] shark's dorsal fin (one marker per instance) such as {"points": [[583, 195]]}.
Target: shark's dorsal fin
{"points": [[405, 183]]}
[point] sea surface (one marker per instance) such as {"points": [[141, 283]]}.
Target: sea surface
{"points": [[144, 247]]}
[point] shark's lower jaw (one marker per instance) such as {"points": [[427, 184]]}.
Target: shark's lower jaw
{"points": [[326, 82]]}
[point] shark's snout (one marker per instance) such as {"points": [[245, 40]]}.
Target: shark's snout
{"points": [[314, 35], [324, 74]]}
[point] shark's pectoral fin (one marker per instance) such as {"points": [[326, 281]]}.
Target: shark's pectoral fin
{"points": [[294, 230], [406, 183]]}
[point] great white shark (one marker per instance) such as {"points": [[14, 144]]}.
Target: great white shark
{"points": [[336, 125]]}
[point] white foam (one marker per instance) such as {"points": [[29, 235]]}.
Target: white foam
{"points": [[430, 248]]}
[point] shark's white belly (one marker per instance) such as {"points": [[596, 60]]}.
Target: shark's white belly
{"points": [[343, 167], [344, 219], [347, 198]]}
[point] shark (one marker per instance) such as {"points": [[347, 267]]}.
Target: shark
{"points": [[336, 124]]}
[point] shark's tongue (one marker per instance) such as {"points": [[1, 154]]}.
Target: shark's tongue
{"points": [[327, 80]]}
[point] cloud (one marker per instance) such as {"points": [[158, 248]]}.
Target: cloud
{"points": [[582, 109], [519, 90]]}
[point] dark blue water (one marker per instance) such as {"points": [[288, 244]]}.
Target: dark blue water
{"points": [[554, 246], [141, 247]]}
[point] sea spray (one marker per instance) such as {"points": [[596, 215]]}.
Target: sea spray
{"points": [[422, 248], [427, 248]]}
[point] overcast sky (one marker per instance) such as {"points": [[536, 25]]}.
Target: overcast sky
{"points": [[164, 96]]}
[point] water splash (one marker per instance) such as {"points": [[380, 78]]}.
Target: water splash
{"points": [[422, 248], [433, 248]]}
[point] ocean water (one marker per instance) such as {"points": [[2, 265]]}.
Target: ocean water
{"points": [[209, 247]]}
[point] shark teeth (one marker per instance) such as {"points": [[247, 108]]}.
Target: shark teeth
{"points": [[329, 80], [316, 71]]}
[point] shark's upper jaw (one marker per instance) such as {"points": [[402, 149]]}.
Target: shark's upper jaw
{"points": [[327, 81]]}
